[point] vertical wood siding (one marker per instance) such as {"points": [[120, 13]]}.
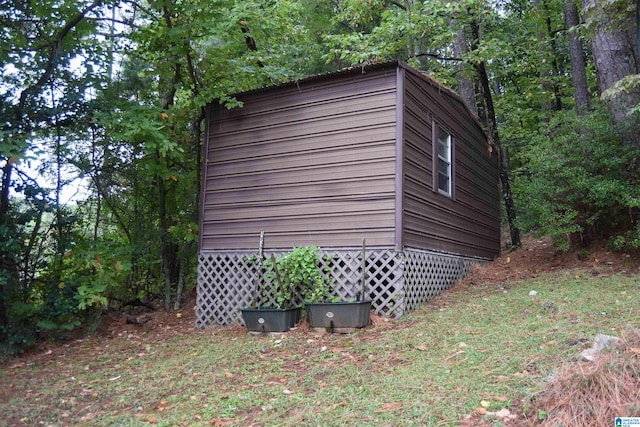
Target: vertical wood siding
{"points": [[311, 162], [467, 223]]}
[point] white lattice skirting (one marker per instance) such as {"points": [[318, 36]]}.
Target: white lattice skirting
{"points": [[397, 282]]}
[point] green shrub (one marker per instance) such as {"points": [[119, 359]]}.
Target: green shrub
{"points": [[299, 272], [579, 181]]}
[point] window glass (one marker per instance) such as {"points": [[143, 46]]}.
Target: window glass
{"points": [[444, 162]]}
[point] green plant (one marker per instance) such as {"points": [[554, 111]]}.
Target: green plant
{"points": [[297, 271], [282, 291], [630, 240], [579, 192], [583, 254], [320, 291]]}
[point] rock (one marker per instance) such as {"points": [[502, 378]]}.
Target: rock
{"points": [[600, 342], [533, 293], [138, 320], [503, 413]]}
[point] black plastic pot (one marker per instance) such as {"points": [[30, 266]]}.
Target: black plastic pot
{"points": [[271, 319], [336, 315]]}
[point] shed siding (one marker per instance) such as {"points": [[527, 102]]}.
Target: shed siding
{"points": [[467, 224], [310, 163]]}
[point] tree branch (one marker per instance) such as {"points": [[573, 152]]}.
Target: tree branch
{"points": [[249, 40], [436, 56], [53, 54]]}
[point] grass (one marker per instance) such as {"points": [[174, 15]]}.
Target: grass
{"points": [[472, 347]]}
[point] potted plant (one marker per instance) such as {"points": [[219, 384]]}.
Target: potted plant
{"points": [[324, 312], [281, 313]]}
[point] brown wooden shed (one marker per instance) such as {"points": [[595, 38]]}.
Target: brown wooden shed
{"points": [[382, 152]]}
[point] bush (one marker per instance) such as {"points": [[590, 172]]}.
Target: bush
{"points": [[300, 272], [579, 181]]}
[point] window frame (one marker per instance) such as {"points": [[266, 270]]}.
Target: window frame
{"points": [[437, 132]]}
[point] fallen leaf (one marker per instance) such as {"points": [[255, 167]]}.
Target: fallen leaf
{"points": [[485, 403], [481, 411], [500, 398], [635, 350], [392, 406], [421, 347], [287, 391], [457, 353]]}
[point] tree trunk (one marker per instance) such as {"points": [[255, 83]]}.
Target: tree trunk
{"points": [[7, 170], [576, 53], [465, 85], [168, 250], [6, 262], [495, 139], [8, 266], [557, 97], [184, 258], [547, 75], [615, 52]]}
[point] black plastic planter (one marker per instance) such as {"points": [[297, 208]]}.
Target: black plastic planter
{"points": [[271, 319], [338, 315]]}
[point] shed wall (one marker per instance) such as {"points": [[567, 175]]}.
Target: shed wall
{"points": [[312, 163], [467, 223]]}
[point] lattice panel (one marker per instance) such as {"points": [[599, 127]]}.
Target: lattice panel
{"points": [[226, 283], [384, 280], [395, 282], [429, 273]]}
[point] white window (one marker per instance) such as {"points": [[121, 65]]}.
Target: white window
{"points": [[443, 167], [444, 162]]}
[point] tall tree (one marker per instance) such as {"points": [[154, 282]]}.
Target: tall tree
{"points": [[40, 43], [614, 45], [465, 82], [576, 53], [494, 134], [548, 56]]}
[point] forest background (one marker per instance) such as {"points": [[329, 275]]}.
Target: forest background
{"points": [[108, 97]]}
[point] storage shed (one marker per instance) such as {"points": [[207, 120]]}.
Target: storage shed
{"points": [[382, 152]]}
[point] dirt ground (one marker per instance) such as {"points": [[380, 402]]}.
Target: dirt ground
{"points": [[537, 255]]}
